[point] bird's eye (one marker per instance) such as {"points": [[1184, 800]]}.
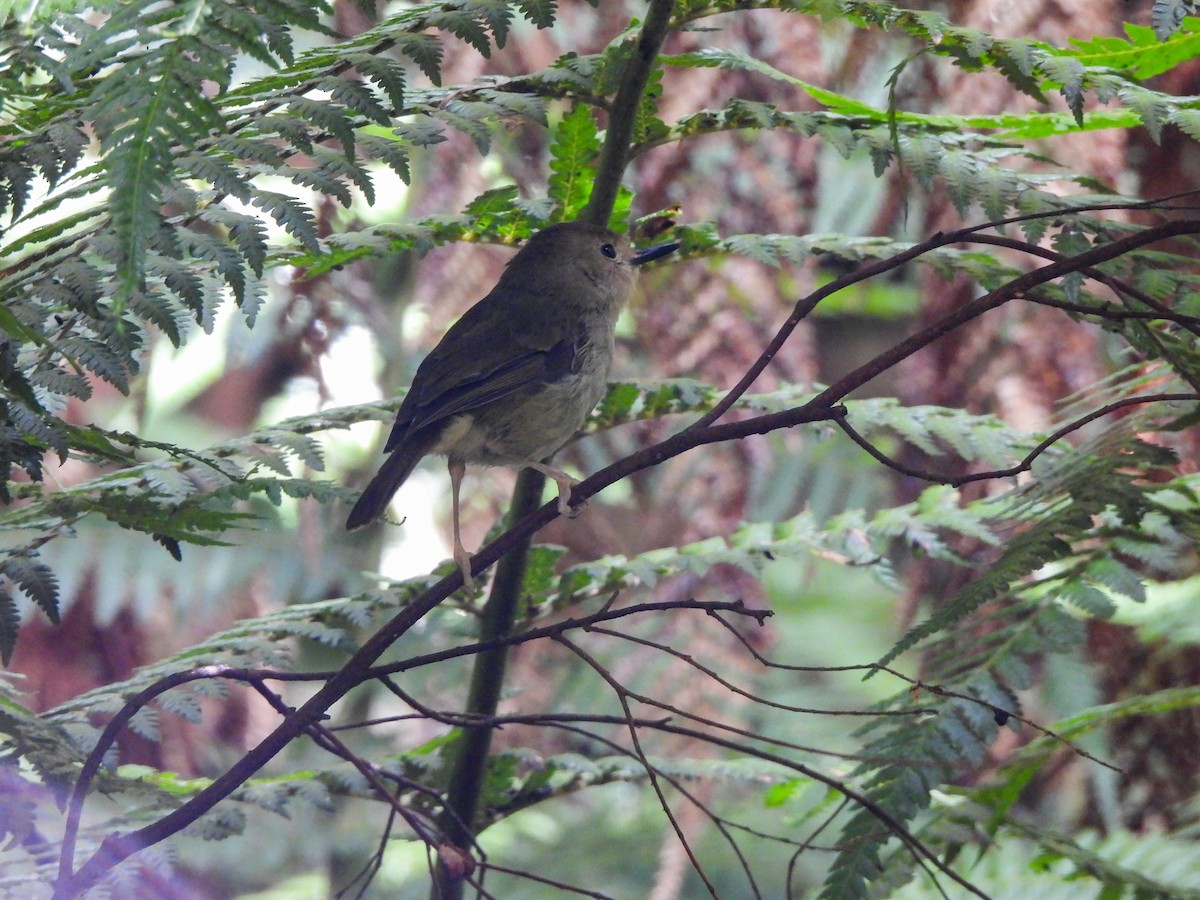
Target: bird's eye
{"points": [[609, 250]]}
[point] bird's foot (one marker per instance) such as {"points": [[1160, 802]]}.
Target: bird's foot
{"points": [[564, 501], [463, 560], [565, 485]]}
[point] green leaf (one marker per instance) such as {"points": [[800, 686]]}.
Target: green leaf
{"points": [[1167, 15], [1147, 51], [1066, 74], [572, 162], [36, 580], [10, 622]]}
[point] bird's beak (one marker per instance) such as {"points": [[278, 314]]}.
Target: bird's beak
{"points": [[652, 253]]}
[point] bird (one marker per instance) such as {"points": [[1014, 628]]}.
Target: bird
{"points": [[515, 378]]}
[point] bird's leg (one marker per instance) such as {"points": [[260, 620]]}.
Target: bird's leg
{"points": [[565, 483], [462, 558]]}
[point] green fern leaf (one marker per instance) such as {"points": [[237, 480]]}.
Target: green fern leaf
{"points": [[337, 170], [753, 246], [145, 724], [390, 152], [495, 212], [464, 25], [229, 262], [923, 154], [1087, 598], [182, 704], [1118, 578], [1143, 55], [327, 117], [572, 157], [1016, 60], [971, 41], [291, 214], [960, 171], [840, 137], [426, 51], [357, 96], [251, 239], [502, 104], [1026, 553], [36, 581], [164, 312], [1124, 866], [99, 357], [383, 72], [143, 111], [169, 483], [421, 131], [218, 172], [997, 187], [1067, 74], [472, 119], [541, 12], [305, 448], [496, 15], [10, 623], [1167, 15], [1150, 108], [241, 147], [248, 25]]}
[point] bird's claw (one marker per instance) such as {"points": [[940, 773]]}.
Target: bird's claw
{"points": [[462, 559], [566, 486], [566, 508]]}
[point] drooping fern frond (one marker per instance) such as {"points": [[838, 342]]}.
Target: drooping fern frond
{"points": [[1056, 560], [152, 241], [1169, 15], [1047, 519], [203, 176]]}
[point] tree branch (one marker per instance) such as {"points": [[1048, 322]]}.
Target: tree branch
{"points": [[469, 767], [1027, 462], [823, 407], [615, 153]]}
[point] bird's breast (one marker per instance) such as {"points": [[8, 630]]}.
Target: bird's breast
{"points": [[536, 421], [460, 438]]}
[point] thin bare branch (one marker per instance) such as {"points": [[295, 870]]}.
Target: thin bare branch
{"points": [[623, 695]]}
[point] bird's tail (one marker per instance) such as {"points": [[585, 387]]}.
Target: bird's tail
{"points": [[393, 473]]}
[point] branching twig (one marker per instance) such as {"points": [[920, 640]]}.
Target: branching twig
{"points": [[875, 667], [106, 740], [1062, 432], [824, 407], [623, 696], [1001, 712], [757, 699], [549, 882], [915, 846], [829, 819], [1027, 462]]}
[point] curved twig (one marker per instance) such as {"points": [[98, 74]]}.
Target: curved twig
{"points": [[824, 407]]}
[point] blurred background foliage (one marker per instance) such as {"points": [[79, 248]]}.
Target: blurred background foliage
{"points": [[354, 334]]}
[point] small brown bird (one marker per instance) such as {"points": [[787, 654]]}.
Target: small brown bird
{"points": [[516, 376]]}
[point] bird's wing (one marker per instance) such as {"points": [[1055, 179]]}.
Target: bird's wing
{"points": [[481, 359]]}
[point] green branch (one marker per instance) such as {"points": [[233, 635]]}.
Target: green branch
{"points": [[615, 152]]}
